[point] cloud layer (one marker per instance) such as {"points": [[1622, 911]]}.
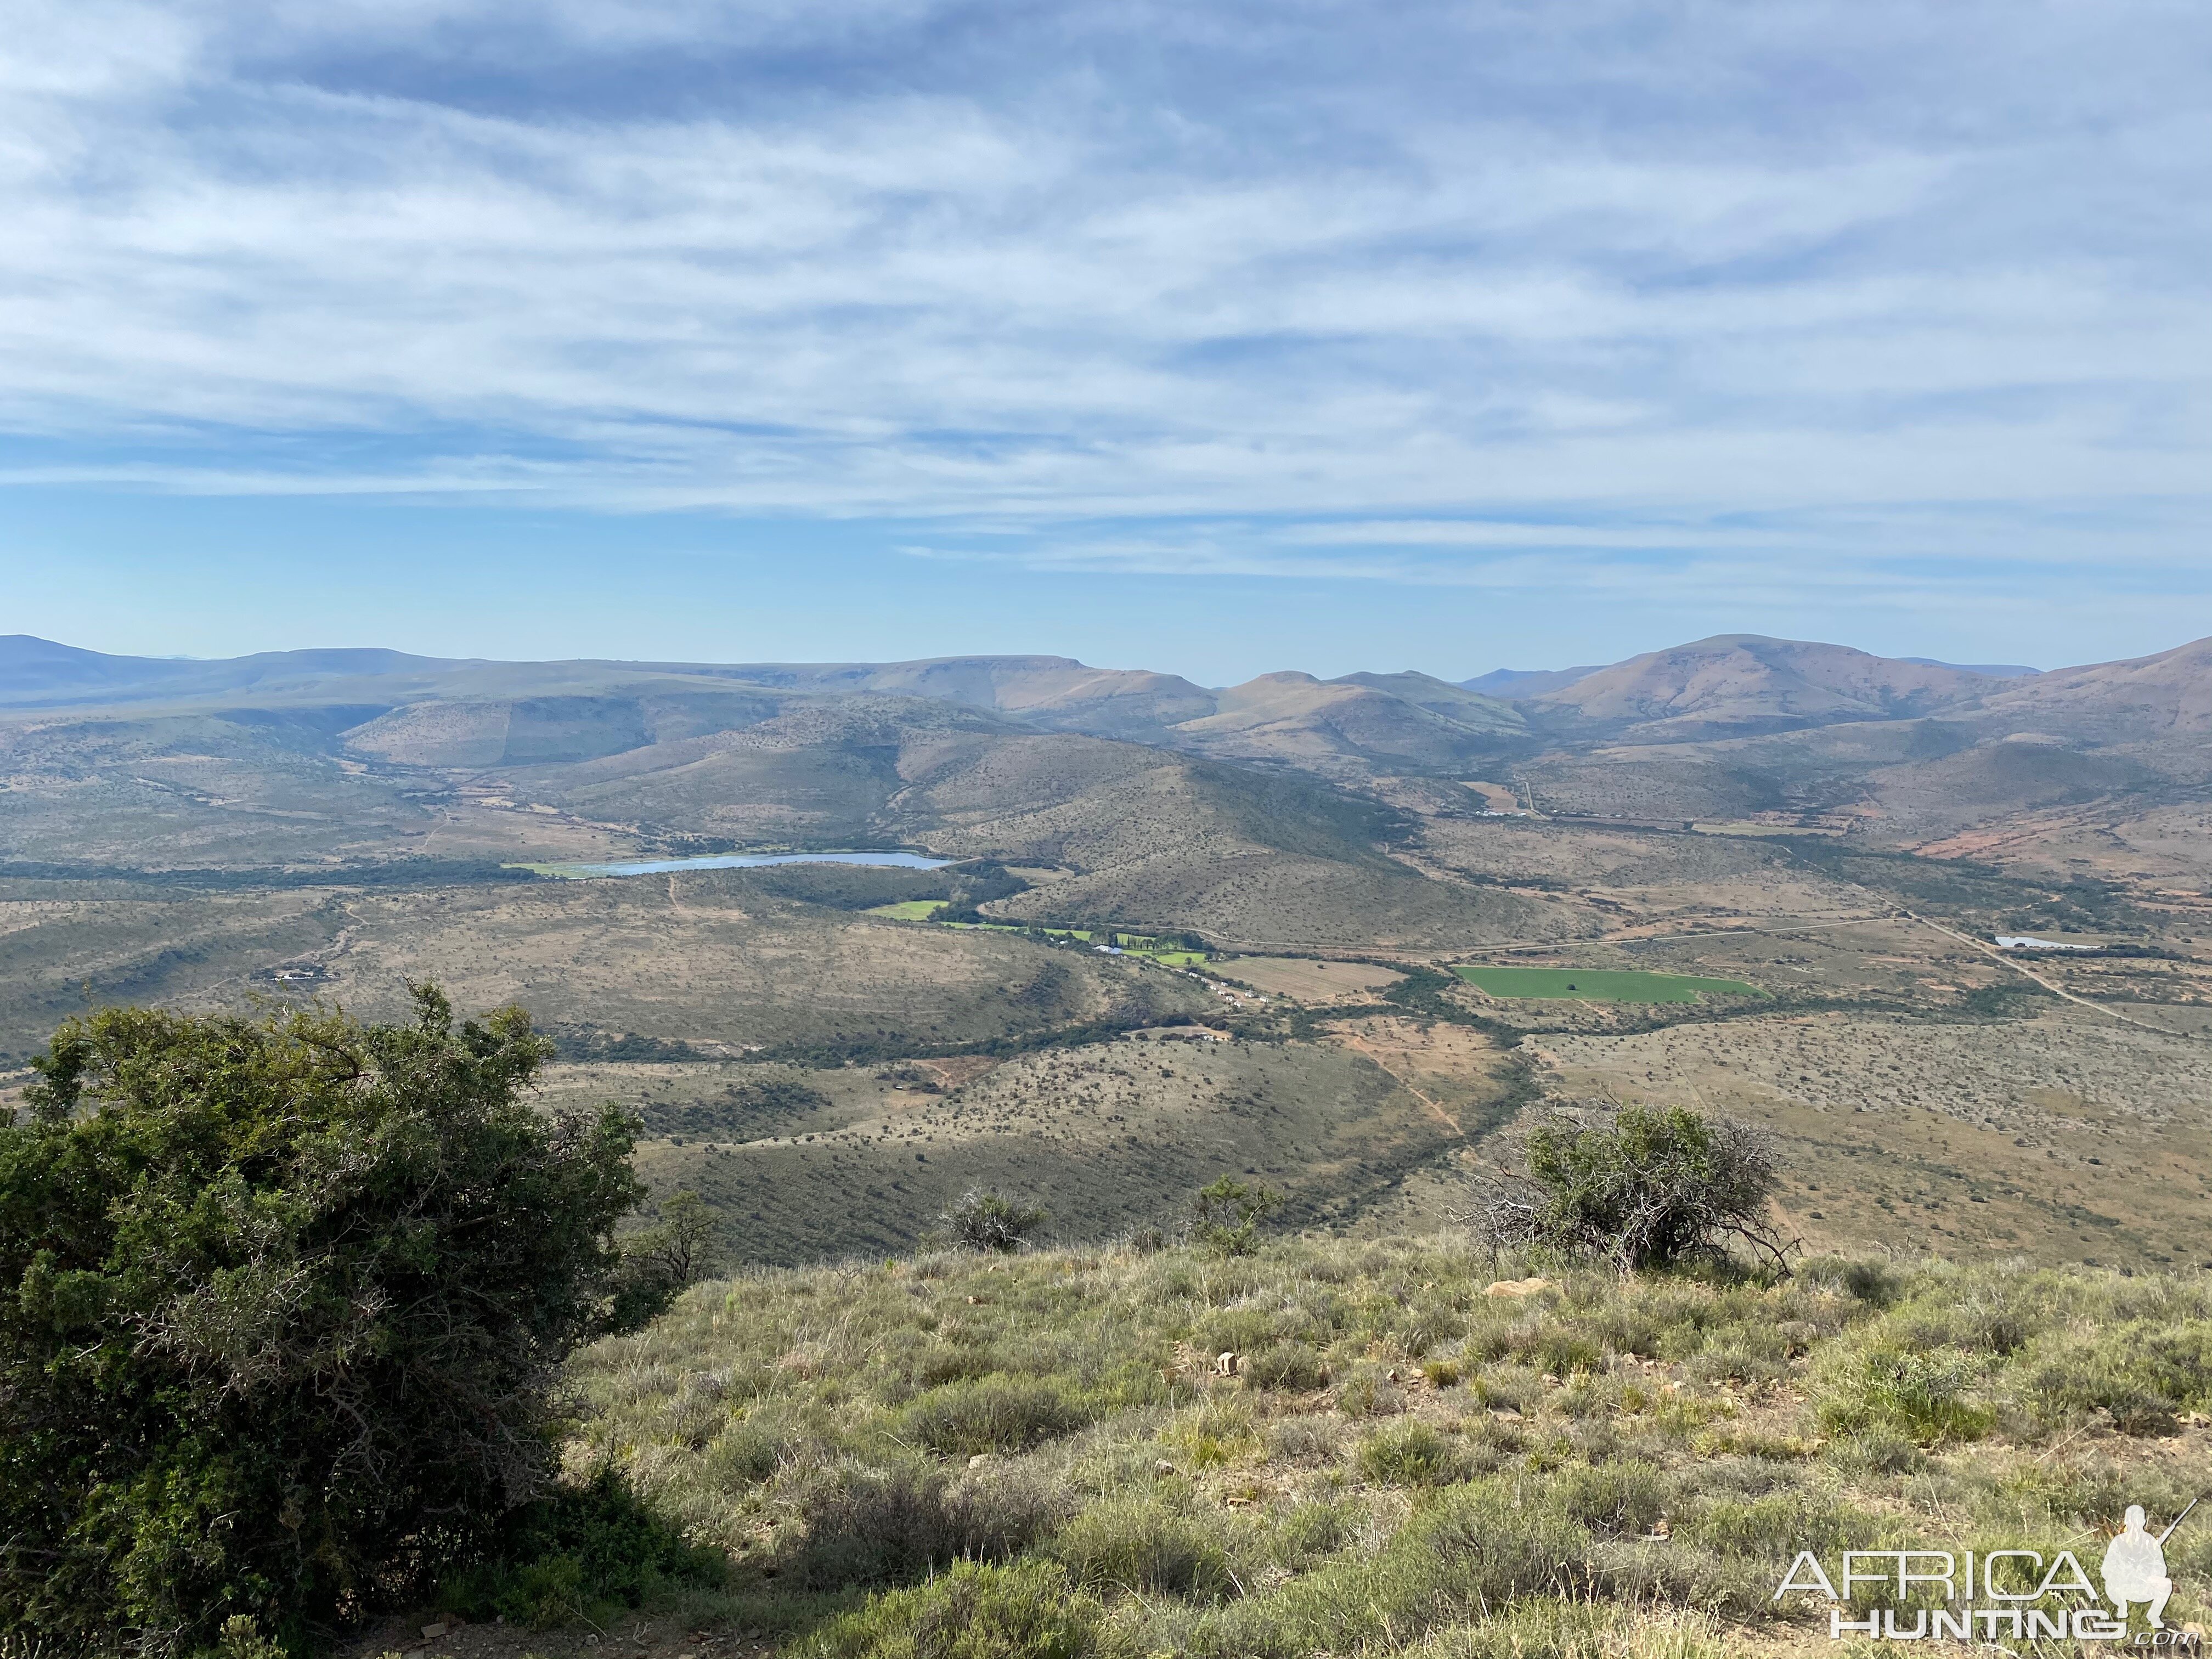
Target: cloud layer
{"points": [[1484, 291]]}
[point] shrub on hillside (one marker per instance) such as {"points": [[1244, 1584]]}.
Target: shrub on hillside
{"points": [[1288, 1365], [991, 1415], [282, 1309], [2142, 1374], [1411, 1454], [1929, 1396], [872, 1526], [1141, 1542], [1649, 1189], [1226, 1217], [984, 1218], [1024, 1611]]}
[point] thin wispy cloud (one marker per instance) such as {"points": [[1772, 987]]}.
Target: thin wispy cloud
{"points": [[1428, 293]]}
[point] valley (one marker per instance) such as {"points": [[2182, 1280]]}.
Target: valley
{"points": [[1347, 937]]}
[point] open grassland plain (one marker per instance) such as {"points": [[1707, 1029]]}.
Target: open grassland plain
{"points": [[1601, 984], [1045, 1455]]}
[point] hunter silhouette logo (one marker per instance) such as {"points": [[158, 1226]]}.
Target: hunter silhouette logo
{"points": [[2135, 1567], [2016, 1594]]}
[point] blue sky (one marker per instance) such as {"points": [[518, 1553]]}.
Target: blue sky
{"points": [[1211, 336]]}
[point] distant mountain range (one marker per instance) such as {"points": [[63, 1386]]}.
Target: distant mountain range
{"points": [[1731, 686]]}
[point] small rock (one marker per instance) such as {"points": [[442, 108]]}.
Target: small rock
{"points": [[1505, 1413], [432, 1633], [1551, 1380], [977, 1463], [1162, 1469]]}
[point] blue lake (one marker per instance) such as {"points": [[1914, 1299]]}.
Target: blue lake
{"points": [[748, 861]]}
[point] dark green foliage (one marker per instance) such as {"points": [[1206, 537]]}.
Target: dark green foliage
{"points": [[1026, 1611], [864, 887], [1228, 1213], [579, 1552], [1651, 1190], [984, 1218], [1613, 1500], [2002, 1000], [659, 1262], [285, 1307], [760, 1104], [627, 1047]]}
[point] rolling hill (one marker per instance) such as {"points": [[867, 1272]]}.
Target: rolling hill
{"points": [[1745, 683]]}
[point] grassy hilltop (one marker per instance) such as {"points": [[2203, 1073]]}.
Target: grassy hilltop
{"points": [[1039, 1455]]}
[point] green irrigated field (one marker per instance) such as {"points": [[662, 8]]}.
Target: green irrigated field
{"points": [[1600, 984], [908, 910]]}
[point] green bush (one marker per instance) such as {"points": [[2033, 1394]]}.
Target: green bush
{"points": [[984, 1218], [1141, 1543], [747, 1449], [282, 1309], [1613, 1500], [1227, 1216], [1026, 1611], [2141, 1373], [1287, 1365], [1411, 1454], [1651, 1190], [1877, 1450], [583, 1552], [991, 1414], [1369, 1392], [1929, 1396], [1479, 1546]]}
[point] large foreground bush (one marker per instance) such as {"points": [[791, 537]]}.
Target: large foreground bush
{"points": [[282, 1308]]}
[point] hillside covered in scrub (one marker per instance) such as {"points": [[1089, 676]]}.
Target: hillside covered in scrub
{"points": [[1046, 1454]]}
